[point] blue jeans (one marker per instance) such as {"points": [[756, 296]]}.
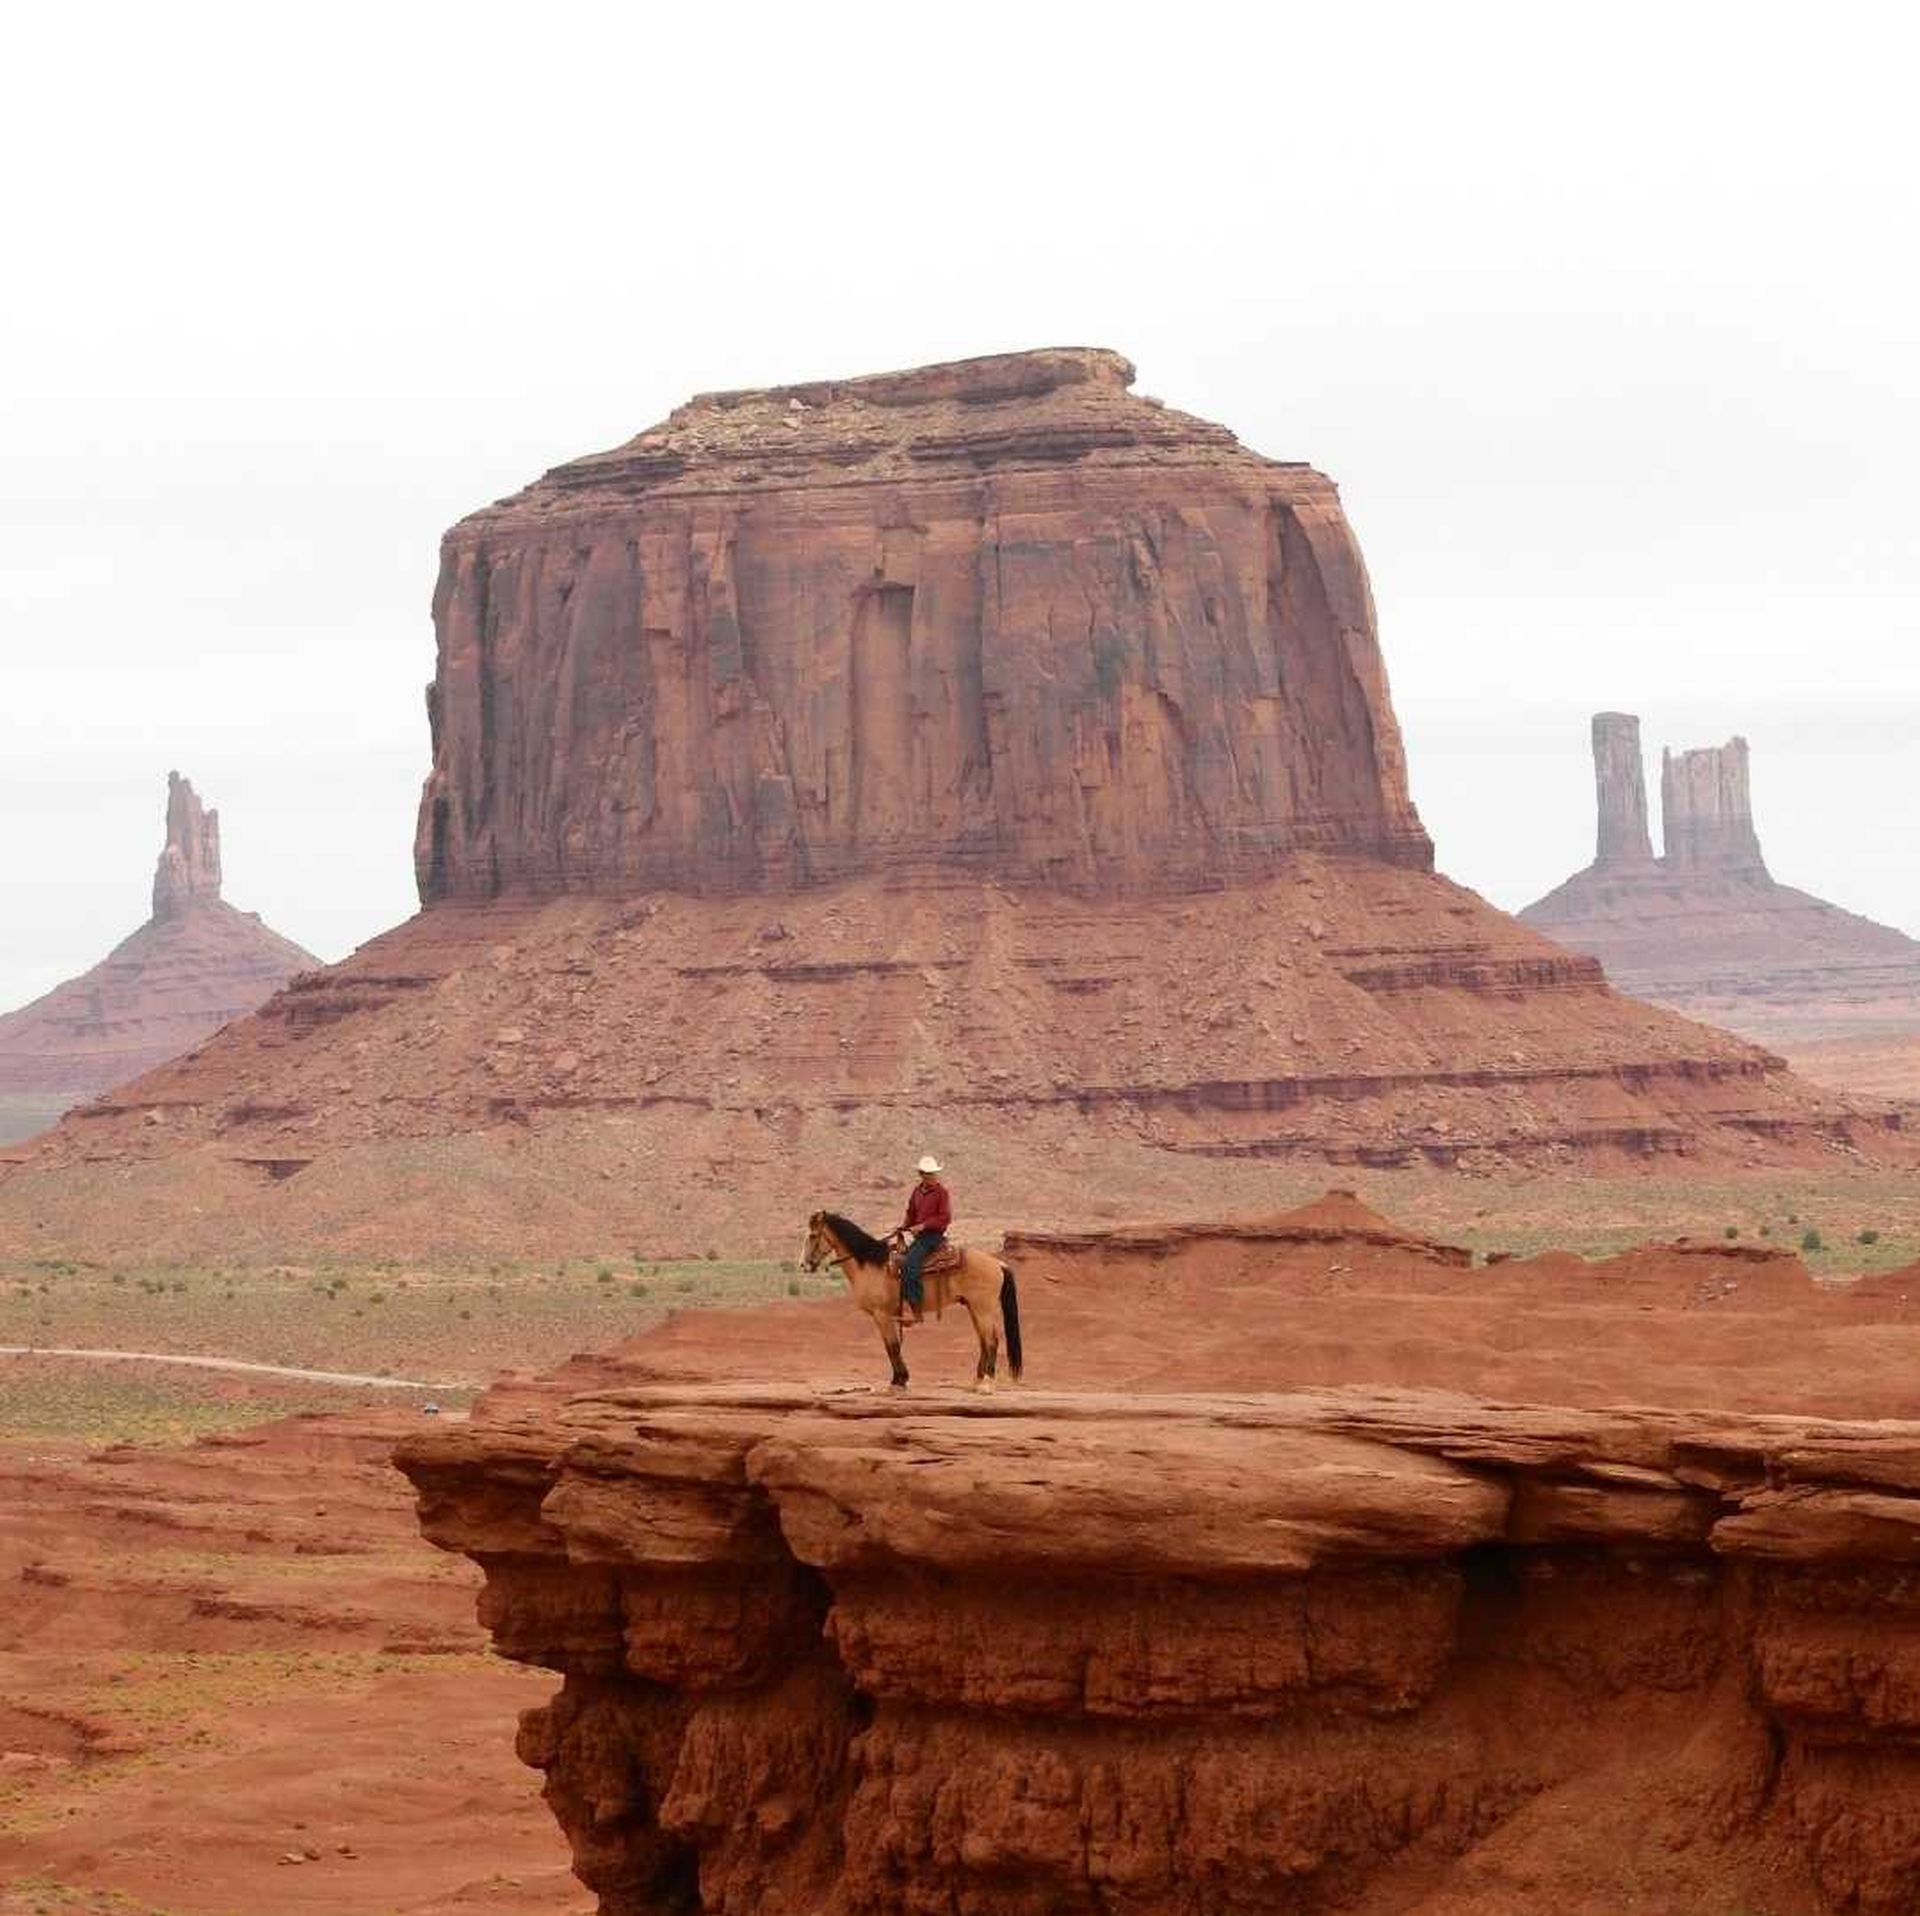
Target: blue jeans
{"points": [[922, 1247]]}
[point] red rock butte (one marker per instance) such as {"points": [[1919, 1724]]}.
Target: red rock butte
{"points": [[1002, 616], [195, 964], [982, 758], [1708, 930]]}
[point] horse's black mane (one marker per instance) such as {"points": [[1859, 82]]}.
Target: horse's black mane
{"points": [[869, 1250]]}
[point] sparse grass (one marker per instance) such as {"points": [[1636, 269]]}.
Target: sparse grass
{"points": [[458, 1323], [179, 1695], [72, 1400], [1600, 1216], [47, 1895]]}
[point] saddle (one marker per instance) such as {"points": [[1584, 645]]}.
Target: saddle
{"points": [[941, 1261]]}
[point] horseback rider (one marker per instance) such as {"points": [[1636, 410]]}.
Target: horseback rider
{"points": [[929, 1213]]}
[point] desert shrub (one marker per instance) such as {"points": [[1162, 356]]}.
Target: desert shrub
{"points": [[713, 1257], [1813, 1241], [1733, 1230], [793, 1287], [636, 1289], [1869, 1237], [119, 1277], [605, 1274], [376, 1297]]}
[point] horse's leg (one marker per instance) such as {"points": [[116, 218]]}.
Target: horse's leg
{"points": [[982, 1329], [889, 1329]]}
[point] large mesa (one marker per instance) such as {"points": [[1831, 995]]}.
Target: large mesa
{"points": [[982, 757], [1003, 616]]}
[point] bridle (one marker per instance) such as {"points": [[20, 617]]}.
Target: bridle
{"points": [[814, 1259]]}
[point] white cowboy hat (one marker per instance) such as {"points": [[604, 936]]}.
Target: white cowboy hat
{"points": [[929, 1165]]}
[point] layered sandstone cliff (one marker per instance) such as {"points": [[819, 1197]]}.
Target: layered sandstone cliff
{"points": [[983, 758], [1168, 1633], [193, 966], [1003, 617], [1708, 930]]}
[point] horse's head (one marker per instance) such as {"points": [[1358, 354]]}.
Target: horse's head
{"points": [[820, 1244]]}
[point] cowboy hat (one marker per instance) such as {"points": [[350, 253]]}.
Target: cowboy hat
{"points": [[930, 1166]]}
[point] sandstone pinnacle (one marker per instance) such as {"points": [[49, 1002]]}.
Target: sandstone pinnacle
{"points": [[189, 867]]}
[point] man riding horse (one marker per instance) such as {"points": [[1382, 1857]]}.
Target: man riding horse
{"points": [[929, 1215]]}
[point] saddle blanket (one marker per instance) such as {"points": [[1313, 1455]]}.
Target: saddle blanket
{"points": [[942, 1259]]}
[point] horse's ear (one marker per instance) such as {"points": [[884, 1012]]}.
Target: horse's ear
{"points": [[816, 1220]]}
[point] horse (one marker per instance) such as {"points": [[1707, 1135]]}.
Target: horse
{"points": [[983, 1284]]}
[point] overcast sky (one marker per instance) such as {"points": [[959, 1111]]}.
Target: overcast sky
{"points": [[1606, 320]]}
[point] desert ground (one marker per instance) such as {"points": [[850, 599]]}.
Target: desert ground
{"points": [[236, 1679]]}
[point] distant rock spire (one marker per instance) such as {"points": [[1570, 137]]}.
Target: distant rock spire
{"points": [[1620, 783], [189, 869], [1706, 810]]}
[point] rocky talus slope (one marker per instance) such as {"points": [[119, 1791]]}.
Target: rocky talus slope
{"points": [[1707, 930], [984, 759], [195, 964], [1189, 1636]]}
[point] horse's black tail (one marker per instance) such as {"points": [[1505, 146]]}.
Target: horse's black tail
{"points": [[1010, 1315]]}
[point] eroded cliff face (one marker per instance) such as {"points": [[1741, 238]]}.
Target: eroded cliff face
{"points": [[1620, 781], [1311, 1569], [1706, 810], [1171, 1656], [1001, 616]]}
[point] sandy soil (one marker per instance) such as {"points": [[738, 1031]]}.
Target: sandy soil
{"points": [[219, 1658]]}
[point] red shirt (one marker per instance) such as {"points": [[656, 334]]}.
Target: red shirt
{"points": [[929, 1208]]}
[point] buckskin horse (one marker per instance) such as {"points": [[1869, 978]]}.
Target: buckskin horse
{"points": [[982, 1283]]}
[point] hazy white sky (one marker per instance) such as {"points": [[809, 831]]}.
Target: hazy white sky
{"points": [[1607, 321]]}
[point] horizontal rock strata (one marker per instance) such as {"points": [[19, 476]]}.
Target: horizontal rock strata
{"points": [[615, 1073], [1170, 1655]]}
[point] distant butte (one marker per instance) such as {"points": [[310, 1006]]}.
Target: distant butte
{"points": [[1709, 931], [983, 758], [193, 966]]}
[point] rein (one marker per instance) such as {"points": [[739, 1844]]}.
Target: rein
{"points": [[844, 1258]]}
